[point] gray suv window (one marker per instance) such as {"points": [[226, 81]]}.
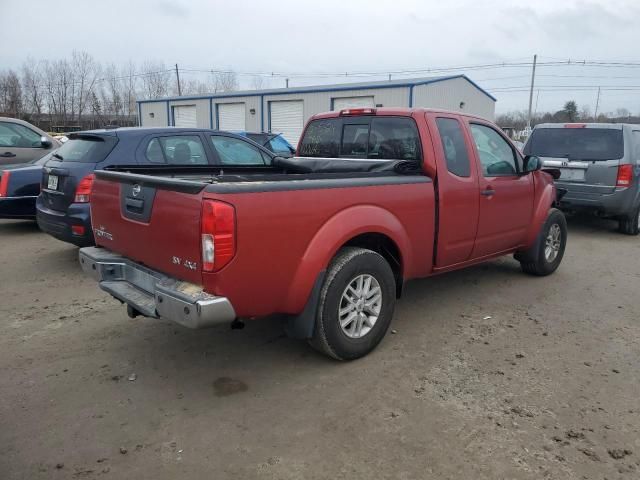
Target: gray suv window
{"points": [[592, 144], [636, 145]]}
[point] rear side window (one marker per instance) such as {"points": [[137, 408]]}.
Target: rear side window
{"points": [[455, 148], [233, 151], [593, 144], [177, 150], [84, 150], [379, 138]]}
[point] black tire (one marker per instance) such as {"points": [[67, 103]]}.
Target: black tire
{"points": [[535, 261], [628, 224], [328, 336]]}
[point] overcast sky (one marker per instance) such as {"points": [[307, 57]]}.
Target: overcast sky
{"points": [[296, 36]]}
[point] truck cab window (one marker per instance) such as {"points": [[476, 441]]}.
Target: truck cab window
{"points": [[354, 141], [394, 139], [455, 148], [496, 155]]}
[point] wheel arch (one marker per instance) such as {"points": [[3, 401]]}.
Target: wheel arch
{"points": [[366, 226]]}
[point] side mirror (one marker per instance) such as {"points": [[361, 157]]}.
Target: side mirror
{"points": [[45, 142], [532, 163]]}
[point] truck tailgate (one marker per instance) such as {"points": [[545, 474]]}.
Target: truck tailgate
{"points": [[152, 222]]}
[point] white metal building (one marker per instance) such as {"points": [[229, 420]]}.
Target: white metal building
{"points": [[285, 110]]}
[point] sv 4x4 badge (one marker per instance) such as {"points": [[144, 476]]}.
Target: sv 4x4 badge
{"points": [[185, 263]]}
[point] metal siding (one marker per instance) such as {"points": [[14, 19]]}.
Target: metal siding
{"points": [[287, 117], [449, 93], [203, 117], [340, 103], [231, 116], [252, 120], [320, 102], [185, 116], [159, 110]]}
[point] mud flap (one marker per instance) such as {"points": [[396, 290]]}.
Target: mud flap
{"points": [[301, 326]]}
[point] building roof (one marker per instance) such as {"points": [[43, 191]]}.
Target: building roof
{"points": [[408, 82]]}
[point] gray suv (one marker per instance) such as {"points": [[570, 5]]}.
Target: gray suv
{"points": [[599, 165]]}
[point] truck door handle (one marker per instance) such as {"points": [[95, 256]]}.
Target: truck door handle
{"points": [[488, 192], [8, 155]]}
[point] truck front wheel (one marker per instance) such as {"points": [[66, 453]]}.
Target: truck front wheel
{"points": [[544, 257], [356, 304]]}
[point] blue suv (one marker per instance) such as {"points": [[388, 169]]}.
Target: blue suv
{"points": [[62, 209]]}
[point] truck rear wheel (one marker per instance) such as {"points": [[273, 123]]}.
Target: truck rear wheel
{"points": [[629, 223], [544, 257], [356, 304]]}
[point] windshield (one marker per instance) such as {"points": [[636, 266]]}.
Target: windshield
{"points": [[576, 143], [280, 145]]}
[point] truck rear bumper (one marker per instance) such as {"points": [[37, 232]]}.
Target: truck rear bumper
{"points": [[153, 294]]}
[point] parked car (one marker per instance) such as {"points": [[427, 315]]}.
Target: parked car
{"points": [[271, 141], [599, 165], [21, 142], [63, 205], [330, 242], [19, 188]]}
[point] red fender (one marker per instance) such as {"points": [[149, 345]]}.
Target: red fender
{"points": [[545, 195], [335, 232]]}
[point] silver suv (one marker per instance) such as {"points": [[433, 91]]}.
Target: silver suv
{"points": [[599, 165]]}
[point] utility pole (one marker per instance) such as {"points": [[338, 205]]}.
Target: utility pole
{"points": [[533, 79], [287, 80], [178, 80], [595, 112]]}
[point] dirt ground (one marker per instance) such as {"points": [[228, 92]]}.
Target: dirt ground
{"points": [[491, 374]]}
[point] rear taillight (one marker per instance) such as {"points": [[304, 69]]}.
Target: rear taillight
{"points": [[625, 175], [218, 229], [4, 183], [83, 192], [575, 125]]}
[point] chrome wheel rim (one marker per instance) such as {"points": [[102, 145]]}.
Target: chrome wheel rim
{"points": [[360, 306], [552, 244]]}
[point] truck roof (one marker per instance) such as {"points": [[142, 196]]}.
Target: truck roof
{"points": [[395, 111]]}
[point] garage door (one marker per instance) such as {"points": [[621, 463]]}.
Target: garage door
{"points": [[185, 116], [353, 102], [287, 118], [231, 116]]}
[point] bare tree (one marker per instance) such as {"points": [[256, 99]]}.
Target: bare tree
{"points": [[155, 80], [33, 94], [225, 81], [85, 74], [257, 82], [10, 93], [129, 87]]}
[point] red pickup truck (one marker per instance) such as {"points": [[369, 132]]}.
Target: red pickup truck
{"points": [[374, 198]]}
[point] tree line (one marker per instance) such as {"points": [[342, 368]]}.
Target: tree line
{"points": [[81, 91], [568, 113]]}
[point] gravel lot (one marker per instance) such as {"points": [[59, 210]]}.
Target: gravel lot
{"points": [[491, 374]]}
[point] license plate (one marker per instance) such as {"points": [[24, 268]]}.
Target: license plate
{"points": [[52, 182], [575, 174]]}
